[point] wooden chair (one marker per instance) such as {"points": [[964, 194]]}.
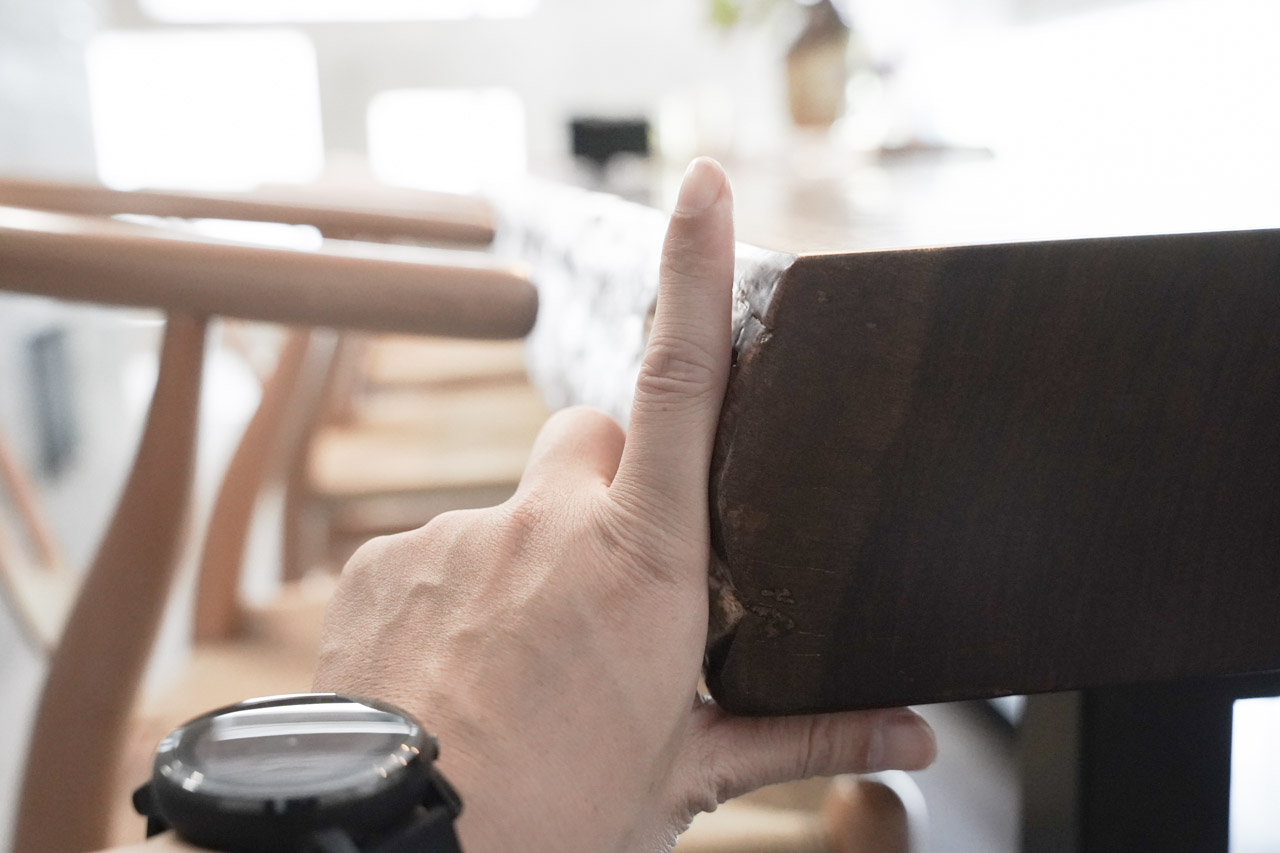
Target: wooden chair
{"points": [[353, 456], [367, 470], [431, 425], [81, 726]]}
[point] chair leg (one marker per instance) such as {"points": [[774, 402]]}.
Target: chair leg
{"points": [[1141, 767], [217, 608], [94, 673], [325, 394], [869, 814]]}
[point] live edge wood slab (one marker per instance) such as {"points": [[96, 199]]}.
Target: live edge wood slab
{"points": [[981, 470]]}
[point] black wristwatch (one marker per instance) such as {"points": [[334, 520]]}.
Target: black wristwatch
{"points": [[311, 772]]}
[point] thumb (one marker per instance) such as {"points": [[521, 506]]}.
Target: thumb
{"points": [[746, 753], [686, 363]]}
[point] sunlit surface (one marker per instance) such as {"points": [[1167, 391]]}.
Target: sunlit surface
{"points": [[259, 11], [453, 140], [276, 235], [1255, 776], [1172, 102], [205, 110]]}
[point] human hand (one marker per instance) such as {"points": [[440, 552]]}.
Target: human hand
{"points": [[554, 643]]}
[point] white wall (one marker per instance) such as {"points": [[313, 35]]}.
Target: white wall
{"points": [[44, 124], [570, 57]]}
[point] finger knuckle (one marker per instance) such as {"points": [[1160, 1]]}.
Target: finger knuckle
{"points": [[724, 775], [583, 419], [716, 766], [715, 777], [680, 267], [446, 537], [369, 555], [522, 519], [818, 747], [393, 552], [674, 368], [523, 531], [445, 525], [580, 429]]}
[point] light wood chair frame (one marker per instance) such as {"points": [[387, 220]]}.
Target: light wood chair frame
{"points": [[96, 667]]}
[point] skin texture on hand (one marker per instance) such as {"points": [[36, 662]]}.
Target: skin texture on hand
{"points": [[554, 643]]}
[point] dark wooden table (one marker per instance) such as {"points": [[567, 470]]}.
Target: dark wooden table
{"points": [[1050, 465], [970, 471]]}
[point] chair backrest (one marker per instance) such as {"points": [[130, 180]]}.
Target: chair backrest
{"points": [[96, 667]]}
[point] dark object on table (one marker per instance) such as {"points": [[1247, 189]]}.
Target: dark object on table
{"points": [[974, 471], [53, 400], [599, 140]]}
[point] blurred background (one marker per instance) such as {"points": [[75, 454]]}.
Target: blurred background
{"points": [[844, 125]]}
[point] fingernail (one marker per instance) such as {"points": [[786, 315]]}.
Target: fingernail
{"points": [[903, 741], [702, 184]]}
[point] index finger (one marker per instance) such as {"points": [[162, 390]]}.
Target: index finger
{"points": [[667, 455]]}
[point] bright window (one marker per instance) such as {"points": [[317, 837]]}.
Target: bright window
{"points": [[1255, 776], [205, 109], [452, 140], [264, 11]]}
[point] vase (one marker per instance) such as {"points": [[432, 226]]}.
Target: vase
{"points": [[817, 68]]}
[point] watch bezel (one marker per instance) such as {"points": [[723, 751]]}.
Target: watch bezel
{"points": [[254, 822]]}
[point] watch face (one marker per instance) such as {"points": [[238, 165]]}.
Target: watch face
{"points": [[291, 748]]}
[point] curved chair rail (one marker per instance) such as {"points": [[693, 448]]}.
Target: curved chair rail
{"points": [[421, 217], [96, 260]]}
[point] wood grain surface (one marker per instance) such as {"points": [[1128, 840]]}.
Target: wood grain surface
{"points": [[982, 470]]}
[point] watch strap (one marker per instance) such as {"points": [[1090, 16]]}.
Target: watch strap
{"points": [[143, 804], [432, 831]]}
